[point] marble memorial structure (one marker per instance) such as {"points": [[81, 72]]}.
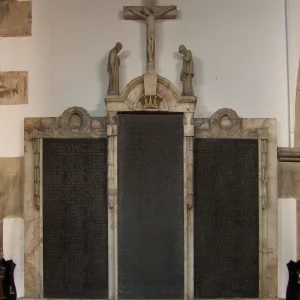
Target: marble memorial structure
{"points": [[150, 202]]}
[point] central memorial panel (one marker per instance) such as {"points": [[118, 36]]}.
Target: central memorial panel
{"points": [[150, 206], [75, 233]]}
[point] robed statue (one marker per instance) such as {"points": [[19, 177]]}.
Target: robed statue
{"points": [[187, 72], [113, 68]]}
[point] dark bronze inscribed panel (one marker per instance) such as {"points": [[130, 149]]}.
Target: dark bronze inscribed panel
{"points": [[150, 206], [75, 218], [226, 218]]}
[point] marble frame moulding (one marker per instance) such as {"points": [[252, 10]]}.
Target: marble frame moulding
{"points": [[226, 124], [167, 100], [75, 122]]}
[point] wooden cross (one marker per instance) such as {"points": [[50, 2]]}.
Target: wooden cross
{"points": [[151, 4], [149, 14]]}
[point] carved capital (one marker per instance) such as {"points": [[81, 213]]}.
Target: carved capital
{"points": [[112, 124], [189, 124]]}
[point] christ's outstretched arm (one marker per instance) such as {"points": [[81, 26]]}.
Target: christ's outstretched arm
{"points": [[170, 8], [137, 13]]}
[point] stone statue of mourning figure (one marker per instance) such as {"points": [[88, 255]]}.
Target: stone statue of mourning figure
{"points": [[187, 73], [113, 69]]}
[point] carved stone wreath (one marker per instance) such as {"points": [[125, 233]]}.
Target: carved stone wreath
{"points": [[75, 121], [225, 123]]}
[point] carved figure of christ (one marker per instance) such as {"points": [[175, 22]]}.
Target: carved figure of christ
{"points": [[150, 14]]}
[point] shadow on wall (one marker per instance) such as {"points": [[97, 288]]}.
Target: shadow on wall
{"points": [[100, 110], [123, 79]]}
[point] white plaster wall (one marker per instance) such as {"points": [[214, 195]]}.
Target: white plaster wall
{"points": [[239, 48], [293, 51], [287, 240]]}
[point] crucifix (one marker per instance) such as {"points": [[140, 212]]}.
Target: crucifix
{"points": [[150, 13]]}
